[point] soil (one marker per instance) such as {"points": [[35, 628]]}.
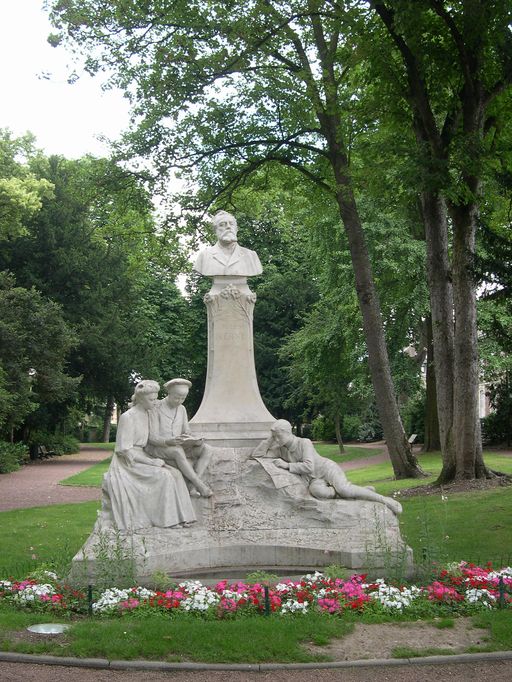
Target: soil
{"points": [[379, 640], [457, 487]]}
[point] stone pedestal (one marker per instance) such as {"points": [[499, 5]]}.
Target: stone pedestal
{"points": [[232, 411], [251, 524]]}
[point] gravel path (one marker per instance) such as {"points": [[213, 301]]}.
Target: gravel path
{"points": [[37, 483]]}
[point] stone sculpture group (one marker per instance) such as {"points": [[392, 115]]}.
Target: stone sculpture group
{"points": [[234, 487]]}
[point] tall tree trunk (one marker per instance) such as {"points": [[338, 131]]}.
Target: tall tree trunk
{"points": [[432, 440], [107, 419], [405, 464], [441, 305], [468, 447], [337, 430]]}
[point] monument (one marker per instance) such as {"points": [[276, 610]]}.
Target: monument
{"points": [[234, 489], [232, 411]]}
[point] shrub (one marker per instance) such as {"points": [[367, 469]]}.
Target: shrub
{"points": [[496, 429], [322, 428], [61, 444], [352, 425], [57, 443], [112, 433], [11, 456]]}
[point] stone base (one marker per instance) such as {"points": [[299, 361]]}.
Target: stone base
{"points": [[249, 524], [232, 434]]}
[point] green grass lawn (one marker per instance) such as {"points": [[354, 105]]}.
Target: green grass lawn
{"points": [[100, 446], [332, 451], [475, 526], [247, 639], [244, 640], [29, 537], [92, 476]]}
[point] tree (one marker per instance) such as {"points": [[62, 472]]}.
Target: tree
{"points": [[88, 249], [21, 192], [245, 86], [467, 47], [34, 345]]}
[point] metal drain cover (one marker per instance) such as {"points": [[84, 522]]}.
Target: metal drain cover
{"points": [[49, 628]]}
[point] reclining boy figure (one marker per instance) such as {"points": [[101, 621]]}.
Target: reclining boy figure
{"points": [[324, 478]]}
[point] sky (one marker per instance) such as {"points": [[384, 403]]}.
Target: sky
{"points": [[65, 118]]}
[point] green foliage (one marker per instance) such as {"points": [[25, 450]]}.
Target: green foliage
{"points": [[21, 192], [12, 455], [58, 443], [336, 572], [263, 577], [34, 344], [160, 581], [322, 428], [114, 564], [352, 425], [414, 416]]}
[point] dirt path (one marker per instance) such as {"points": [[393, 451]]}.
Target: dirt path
{"points": [[493, 671], [37, 483]]}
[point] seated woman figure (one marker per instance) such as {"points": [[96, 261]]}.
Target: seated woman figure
{"points": [[140, 491]]}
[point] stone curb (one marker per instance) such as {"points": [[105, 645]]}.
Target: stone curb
{"points": [[104, 664]]}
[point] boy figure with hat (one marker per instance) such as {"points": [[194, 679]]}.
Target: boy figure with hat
{"points": [[171, 440]]}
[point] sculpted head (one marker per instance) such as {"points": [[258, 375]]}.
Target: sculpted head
{"points": [[146, 394], [177, 391], [225, 227], [281, 432]]}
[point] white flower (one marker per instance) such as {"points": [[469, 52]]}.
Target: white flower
{"points": [[294, 606], [51, 575], [483, 597], [235, 596], [311, 578], [392, 597], [505, 572], [283, 588], [200, 597], [31, 592]]}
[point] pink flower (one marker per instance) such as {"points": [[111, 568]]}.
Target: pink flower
{"points": [[130, 603]]}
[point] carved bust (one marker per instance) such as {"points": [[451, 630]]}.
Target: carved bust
{"points": [[227, 257]]}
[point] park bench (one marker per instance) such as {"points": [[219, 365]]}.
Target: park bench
{"points": [[44, 453]]}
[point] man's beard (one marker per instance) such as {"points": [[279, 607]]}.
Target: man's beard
{"points": [[228, 236]]}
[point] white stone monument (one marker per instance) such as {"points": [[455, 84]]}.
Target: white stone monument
{"points": [[232, 411], [266, 499]]}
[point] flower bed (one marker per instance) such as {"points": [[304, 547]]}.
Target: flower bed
{"points": [[458, 589]]}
